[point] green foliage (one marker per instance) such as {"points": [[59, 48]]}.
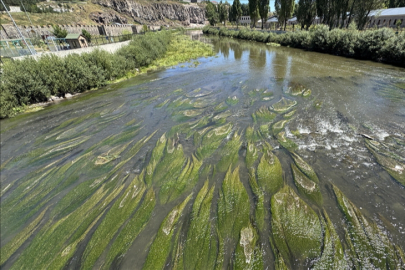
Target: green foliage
{"points": [[212, 14], [59, 32], [254, 11], [296, 227], [284, 9], [371, 245], [378, 45], [199, 235], [233, 211], [160, 249], [4, 9], [87, 35], [236, 11], [306, 12], [263, 6], [223, 12], [30, 81]]}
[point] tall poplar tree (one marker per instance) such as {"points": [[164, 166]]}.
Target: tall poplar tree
{"points": [[284, 9], [212, 13], [264, 10], [236, 11], [253, 11], [363, 8], [223, 10], [306, 12]]}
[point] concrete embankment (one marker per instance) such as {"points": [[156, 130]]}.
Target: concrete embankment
{"points": [[107, 47]]}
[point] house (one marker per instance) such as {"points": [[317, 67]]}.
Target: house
{"points": [[76, 41], [272, 22], [387, 17], [245, 20]]}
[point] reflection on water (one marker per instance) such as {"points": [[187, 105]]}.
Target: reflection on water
{"points": [[258, 158]]}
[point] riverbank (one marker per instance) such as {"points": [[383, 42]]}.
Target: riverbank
{"points": [[32, 81], [382, 45]]}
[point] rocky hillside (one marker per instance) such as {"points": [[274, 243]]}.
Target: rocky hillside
{"points": [[93, 12], [155, 13]]}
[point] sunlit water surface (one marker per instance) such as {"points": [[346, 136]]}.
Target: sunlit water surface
{"points": [[348, 99]]}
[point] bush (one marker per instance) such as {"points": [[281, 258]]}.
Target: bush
{"points": [[320, 37], [59, 32], [29, 81], [394, 49], [378, 44], [86, 35], [370, 43]]}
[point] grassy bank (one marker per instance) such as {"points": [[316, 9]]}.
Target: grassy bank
{"points": [[382, 45], [32, 81]]}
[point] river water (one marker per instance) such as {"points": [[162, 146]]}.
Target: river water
{"points": [[55, 162]]}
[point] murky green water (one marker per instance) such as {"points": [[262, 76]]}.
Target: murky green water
{"points": [[254, 159]]}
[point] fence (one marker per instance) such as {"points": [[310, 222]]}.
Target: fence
{"points": [[17, 47], [102, 40]]}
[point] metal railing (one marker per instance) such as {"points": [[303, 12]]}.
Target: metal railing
{"points": [[103, 40], [15, 48]]}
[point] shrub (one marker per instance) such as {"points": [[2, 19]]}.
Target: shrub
{"points": [[370, 43], [29, 81], [59, 32], [87, 35], [377, 44], [394, 49], [320, 36]]}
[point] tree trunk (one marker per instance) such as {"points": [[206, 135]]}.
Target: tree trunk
{"points": [[350, 15]]}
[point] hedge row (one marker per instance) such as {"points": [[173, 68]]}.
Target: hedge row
{"points": [[30, 81], [379, 45]]}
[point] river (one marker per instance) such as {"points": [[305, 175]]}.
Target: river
{"points": [[179, 168]]}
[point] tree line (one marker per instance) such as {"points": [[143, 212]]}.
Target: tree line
{"points": [[334, 13], [225, 12]]}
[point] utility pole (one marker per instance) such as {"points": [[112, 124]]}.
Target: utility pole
{"points": [[18, 29]]}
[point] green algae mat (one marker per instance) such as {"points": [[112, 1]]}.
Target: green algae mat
{"points": [[198, 168]]}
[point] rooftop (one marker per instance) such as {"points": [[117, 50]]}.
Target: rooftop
{"points": [[72, 36], [388, 12]]}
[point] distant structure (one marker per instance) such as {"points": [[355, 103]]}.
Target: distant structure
{"points": [[377, 18], [387, 17], [245, 20], [76, 41], [8, 31]]}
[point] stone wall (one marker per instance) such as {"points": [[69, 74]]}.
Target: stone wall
{"points": [[8, 31]]}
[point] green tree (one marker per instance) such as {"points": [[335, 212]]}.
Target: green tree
{"points": [[59, 32], [284, 9], [253, 11], [264, 10], [223, 10], [237, 11], [86, 35], [395, 3], [212, 13], [363, 8], [306, 12], [2, 7], [245, 9]]}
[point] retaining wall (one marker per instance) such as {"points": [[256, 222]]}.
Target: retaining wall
{"points": [[8, 31], [108, 47]]}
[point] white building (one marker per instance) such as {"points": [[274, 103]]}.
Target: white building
{"points": [[387, 17], [377, 18], [245, 20]]}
